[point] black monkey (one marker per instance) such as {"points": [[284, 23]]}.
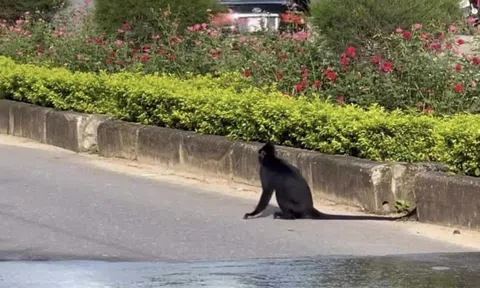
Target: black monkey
{"points": [[292, 191]]}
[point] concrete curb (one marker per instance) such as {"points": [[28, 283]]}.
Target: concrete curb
{"points": [[342, 179]]}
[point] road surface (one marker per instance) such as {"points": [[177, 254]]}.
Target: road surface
{"points": [[56, 205]]}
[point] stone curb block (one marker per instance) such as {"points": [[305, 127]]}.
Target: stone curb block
{"points": [[118, 139], [68, 130], [448, 200]]}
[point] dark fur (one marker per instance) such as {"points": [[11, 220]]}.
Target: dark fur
{"points": [[292, 191]]}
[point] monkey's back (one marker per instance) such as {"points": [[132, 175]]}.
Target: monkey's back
{"points": [[291, 188]]}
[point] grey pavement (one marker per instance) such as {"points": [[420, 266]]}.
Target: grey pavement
{"points": [[54, 207]]}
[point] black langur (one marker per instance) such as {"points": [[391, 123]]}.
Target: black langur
{"points": [[292, 191]]}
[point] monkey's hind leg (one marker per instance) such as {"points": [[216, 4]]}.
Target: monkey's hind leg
{"points": [[283, 215]]}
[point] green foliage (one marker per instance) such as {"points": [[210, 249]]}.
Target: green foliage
{"points": [[402, 206], [145, 16], [12, 10], [226, 106], [352, 22]]}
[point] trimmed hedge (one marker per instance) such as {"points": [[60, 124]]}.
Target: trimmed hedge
{"points": [[227, 106]]}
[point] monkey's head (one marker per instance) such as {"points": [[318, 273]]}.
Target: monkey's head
{"points": [[267, 151]]}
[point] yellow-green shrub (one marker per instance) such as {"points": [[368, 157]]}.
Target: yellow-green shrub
{"points": [[225, 106]]}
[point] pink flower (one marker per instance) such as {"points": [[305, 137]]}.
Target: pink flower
{"points": [[386, 67], [87, 2], [300, 36], [399, 30], [344, 60], [195, 27], [79, 57], [126, 26], [417, 26], [301, 85], [19, 21], [118, 42], [435, 46], [351, 51], [452, 28], [471, 20], [340, 99], [317, 83], [144, 58], [460, 41], [375, 59], [304, 72], [331, 75], [457, 67], [155, 36], [458, 88], [476, 61], [278, 75], [407, 35]]}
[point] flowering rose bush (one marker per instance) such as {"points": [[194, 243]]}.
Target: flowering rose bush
{"points": [[416, 69]]}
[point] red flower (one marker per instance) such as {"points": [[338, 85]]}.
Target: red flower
{"points": [[278, 75], [146, 48], [458, 88], [476, 61], [425, 36], [126, 26], [144, 58], [340, 99], [300, 86], [460, 41], [351, 51], [282, 57], [386, 67], [428, 109], [344, 60], [440, 36], [457, 67], [99, 41], [407, 35], [247, 72], [317, 83], [171, 57], [175, 40], [435, 46], [304, 72], [375, 59]]}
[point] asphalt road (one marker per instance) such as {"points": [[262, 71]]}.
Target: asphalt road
{"points": [[54, 206]]}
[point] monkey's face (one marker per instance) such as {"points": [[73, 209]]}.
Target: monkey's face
{"points": [[261, 155]]}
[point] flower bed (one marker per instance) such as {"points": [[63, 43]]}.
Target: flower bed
{"points": [[207, 105], [417, 71]]}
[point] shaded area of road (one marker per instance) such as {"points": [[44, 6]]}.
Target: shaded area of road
{"points": [[413, 271], [54, 205]]}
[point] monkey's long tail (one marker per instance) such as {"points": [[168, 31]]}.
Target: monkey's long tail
{"points": [[323, 216]]}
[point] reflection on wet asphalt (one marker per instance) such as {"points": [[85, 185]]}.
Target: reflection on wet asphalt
{"points": [[413, 271]]}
